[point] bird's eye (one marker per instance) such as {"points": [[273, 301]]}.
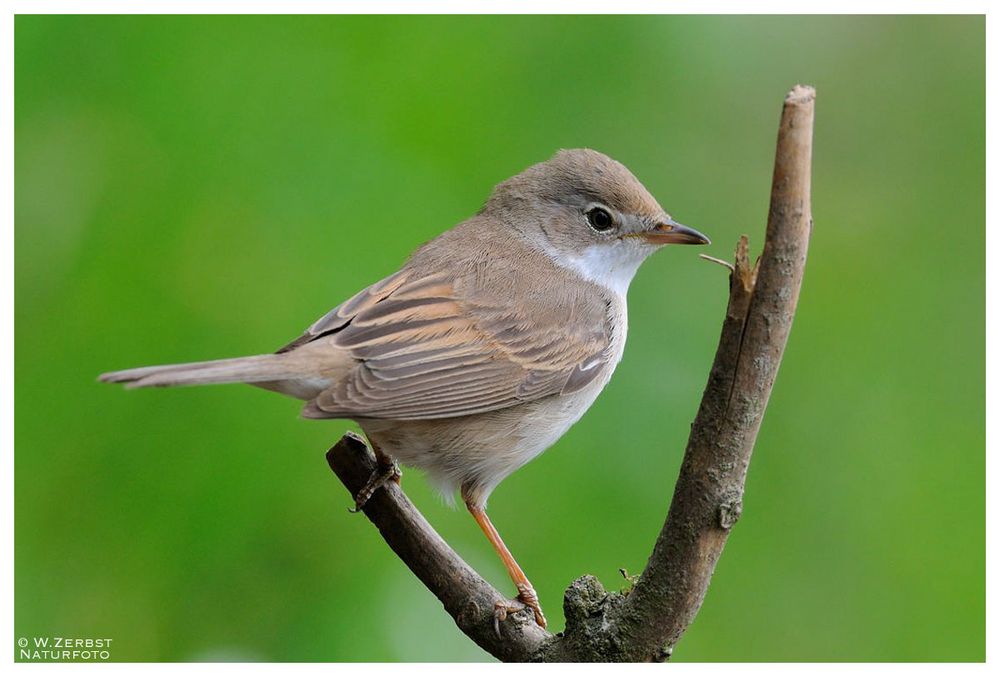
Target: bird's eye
{"points": [[600, 219]]}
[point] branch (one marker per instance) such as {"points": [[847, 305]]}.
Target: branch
{"points": [[465, 595], [647, 622], [708, 497]]}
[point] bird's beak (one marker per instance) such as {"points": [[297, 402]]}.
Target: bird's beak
{"points": [[671, 232]]}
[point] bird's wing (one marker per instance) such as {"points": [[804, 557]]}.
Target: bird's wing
{"points": [[423, 351], [340, 316]]}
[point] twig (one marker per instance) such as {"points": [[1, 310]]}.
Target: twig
{"points": [[724, 264], [646, 623]]}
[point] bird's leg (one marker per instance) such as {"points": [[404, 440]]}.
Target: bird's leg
{"points": [[386, 470], [526, 596]]}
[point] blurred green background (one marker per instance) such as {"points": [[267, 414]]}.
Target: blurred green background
{"points": [[200, 187]]}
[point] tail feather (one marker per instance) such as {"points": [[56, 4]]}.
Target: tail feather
{"points": [[253, 369]]}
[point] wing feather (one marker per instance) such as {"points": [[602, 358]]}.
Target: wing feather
{"points": [[423, 351]]}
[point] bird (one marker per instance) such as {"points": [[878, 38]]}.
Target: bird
{"points": [[485, 347]]}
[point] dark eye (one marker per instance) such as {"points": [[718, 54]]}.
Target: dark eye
{"points": [[600, 219]]}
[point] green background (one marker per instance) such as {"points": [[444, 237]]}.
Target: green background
{"points": [[199, 187]]}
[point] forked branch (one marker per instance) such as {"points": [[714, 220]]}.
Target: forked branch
{"points": [[646, 623]]}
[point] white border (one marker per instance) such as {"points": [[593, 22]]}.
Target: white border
{"points": [[7, 316], [495, 7], [992, 281], [443, 7]]}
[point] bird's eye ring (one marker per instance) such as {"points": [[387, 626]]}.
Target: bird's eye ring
{"points": [[600, 219]]}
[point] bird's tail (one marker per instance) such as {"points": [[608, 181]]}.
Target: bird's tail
{"points": [[253, 369]]}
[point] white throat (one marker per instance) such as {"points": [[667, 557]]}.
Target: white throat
{"points": [[611, 265]]}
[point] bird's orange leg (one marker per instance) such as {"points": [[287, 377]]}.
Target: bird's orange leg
{"points": [[525, 592]]}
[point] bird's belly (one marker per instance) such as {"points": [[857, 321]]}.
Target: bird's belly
{"points": [[475, 453]]}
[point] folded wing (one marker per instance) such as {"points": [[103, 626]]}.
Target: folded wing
{"points": [[423, 351]]}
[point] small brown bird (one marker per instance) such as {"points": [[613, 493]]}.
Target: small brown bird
{"points": [[489, 343]]}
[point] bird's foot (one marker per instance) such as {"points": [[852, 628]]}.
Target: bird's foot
{"points": [[502, 608], [527, 595], [526, 599], [383, 474]]}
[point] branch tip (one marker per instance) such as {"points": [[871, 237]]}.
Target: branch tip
{"points": [[800, 94]]}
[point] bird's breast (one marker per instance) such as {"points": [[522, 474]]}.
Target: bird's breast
{"points": [[617, 329]]}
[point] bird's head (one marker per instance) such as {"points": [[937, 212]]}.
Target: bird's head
{"points": [[589, 213]]}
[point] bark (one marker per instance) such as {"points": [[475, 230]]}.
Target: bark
{"points": [[646, 623]]}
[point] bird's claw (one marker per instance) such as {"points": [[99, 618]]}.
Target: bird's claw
{"points": [[379, 478], [502, 608], [526, 598], [527, 595]]}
